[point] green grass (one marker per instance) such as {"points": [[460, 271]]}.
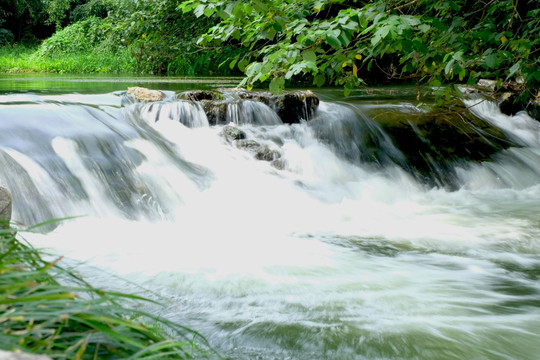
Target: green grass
{"points": [[24, 59], [48, 309]]}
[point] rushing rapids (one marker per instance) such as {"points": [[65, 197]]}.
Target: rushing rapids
{"points": [[370, 229]]}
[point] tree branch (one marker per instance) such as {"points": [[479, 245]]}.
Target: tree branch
{"points": [[398, 8]]}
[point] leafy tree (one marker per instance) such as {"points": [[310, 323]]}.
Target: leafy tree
{"points": [[340, 42], [23, 18], [57, 11]]}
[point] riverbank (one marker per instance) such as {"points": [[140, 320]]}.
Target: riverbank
{"points": [[20, 59]]}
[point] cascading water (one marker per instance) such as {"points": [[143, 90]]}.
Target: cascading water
{"points": [[333, 249]]}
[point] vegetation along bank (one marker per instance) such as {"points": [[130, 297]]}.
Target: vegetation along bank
{"points": [[281, 43]]}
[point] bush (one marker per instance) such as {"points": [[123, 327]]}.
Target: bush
{"points": [[76, 38]]}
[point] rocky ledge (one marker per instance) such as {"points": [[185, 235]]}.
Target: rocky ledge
{"points": [[509, 96], [291, 107]]}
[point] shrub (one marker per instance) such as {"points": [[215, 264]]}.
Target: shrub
{"points": [[76, 38]]}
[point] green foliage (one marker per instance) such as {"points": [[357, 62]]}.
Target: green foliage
{"points": [[163, 40], [23, 18], [57, 11], [92, 8], [17, 59], [79, 37], [338, 42], [48, 309], [6, 37]]}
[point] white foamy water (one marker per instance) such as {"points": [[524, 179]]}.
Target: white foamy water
{"points": [[312, 257]]}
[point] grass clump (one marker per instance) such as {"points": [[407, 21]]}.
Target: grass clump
{"points": [[47, 309]]}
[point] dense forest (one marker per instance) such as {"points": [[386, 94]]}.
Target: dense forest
{"points": [[348, 43]]}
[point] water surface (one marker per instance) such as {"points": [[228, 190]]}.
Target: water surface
{"points": [[326, 256]]}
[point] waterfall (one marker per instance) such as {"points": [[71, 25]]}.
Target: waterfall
{"points": [[374, 230]]}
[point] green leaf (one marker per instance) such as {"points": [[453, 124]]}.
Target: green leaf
{"points": [[233, 62], [253, 69], [448, 68], [348, 89], [309, 55], [260, 6], [199, 10], [344, 38], [424, 28], [492, 61], [271, 33], [333, 41], [319, 80], [277, 85], [435, 82], [243, 64], [514, 69]]}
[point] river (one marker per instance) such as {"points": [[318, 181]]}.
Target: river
{"points": [[321, 256]]}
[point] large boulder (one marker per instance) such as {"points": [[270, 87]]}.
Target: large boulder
{"points": [[434, 142], [5, 207], [291, 107]]}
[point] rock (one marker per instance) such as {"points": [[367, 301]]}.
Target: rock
{"points": [[259, 151], [198, 95], [5, 207], [433, 143], [487, 84], [216, 111], [250, 145], [232, 133], [7, 355], [265, 154], [145, 94], [292, 107], [508, 103], [507, 95], [533, 107]]}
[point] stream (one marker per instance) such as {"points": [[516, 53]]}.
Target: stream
{"points": [[323, 253]]}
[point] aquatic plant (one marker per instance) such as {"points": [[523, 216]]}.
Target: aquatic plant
{"points": [[46, 308]]}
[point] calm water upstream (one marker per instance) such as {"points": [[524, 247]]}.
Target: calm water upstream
{"points": [[321, 257]]}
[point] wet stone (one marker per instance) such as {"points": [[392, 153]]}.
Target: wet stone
{"points": [[145, 94], [5, 206], [232, 133], [259, 151]]}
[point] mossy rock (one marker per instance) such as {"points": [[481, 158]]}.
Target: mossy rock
{"points": [[434, 142], [199, 95]]}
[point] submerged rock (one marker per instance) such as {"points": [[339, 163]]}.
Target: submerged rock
{"points": [[232, 133], [5, 207], [145, 94], [259, 151]]}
